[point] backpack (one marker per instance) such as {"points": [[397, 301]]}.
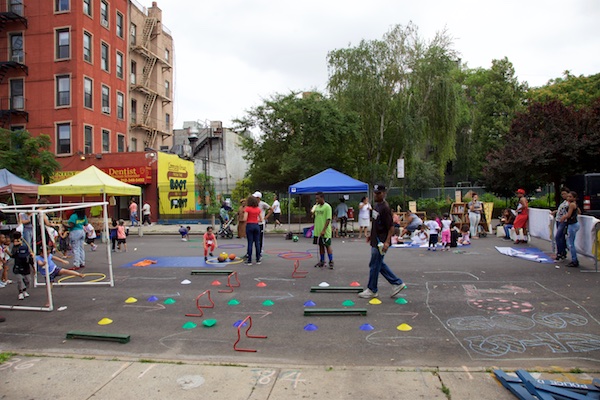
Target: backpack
{"points": [[23, 260]]}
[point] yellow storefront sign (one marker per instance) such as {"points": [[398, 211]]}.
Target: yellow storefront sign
{"points": [[176, 184]]}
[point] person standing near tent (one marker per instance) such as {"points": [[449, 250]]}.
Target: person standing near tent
{"points": [[264, 207], [380, 239], [276, 207], [322, 231], [26, 219], [75, 225], [133, 212], [146, 214], [341, 212]]}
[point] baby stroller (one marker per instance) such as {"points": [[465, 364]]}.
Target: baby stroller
{"points": [[225, 229]]}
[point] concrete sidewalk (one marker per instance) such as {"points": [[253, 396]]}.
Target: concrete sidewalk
{"points": [[87, 378]]}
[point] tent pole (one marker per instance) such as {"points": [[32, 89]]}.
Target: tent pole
{"points": [[108, 243], [14, 199], [140, 232], [45, 255], [289, 213]]}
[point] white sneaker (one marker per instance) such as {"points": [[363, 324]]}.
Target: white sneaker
{"points": [[2, 284], [26, 294], [367, 294], [397, 289], [94, 247], [21, 296]]}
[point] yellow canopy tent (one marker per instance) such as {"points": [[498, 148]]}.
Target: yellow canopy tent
{"points": [[90, 181]]}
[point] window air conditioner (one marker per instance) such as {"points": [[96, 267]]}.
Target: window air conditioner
{"points": [[104, 23], [106, 110]]}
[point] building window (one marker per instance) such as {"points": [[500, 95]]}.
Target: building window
{"points": [[133, 144], [105, 99], [167, 55], [104, 13], [63, 44], [120, 106], [87, 7], [61, 5], [16, 48], [63, 90], [168, 122], [16, 6], [87, 46], [133, 114], [104, 56], [105, 141], [119, 62], [88, 139], [133, 34], [119, 25], [167, 89], [16, 128], [88, 93], [63, 138], [17, 100], [133, 72], [120, 143]]}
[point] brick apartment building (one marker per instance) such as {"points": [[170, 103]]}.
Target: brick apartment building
{"points": [[94, 75]]}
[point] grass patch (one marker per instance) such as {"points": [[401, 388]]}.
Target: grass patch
{"points": [[5, 356], [446, 391], [575, 371]]}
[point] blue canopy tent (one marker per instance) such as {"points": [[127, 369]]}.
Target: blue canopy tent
{"points": [[328, 181]]}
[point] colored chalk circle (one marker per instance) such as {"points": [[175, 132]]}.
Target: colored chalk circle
{"points": [[189, 325], [261, 284], [268, 303], [105, 321], [366, 327], [233, 302], [375, 301], [311, 327], [216, 283], [131, 300], [238, 323], [401, 301], [310, 303], [355, 284], [323, 284], [209, 322], [170, 301], [348, 303], [404, 327], [152, 298], [186, 282]]}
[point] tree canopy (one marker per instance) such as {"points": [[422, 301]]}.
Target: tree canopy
{"points": [[577, 91], [26, 156]]}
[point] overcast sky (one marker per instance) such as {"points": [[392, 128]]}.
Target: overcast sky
{"points": [[231, 54]]}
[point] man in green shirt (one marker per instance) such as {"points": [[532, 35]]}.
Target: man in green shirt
{"points": [[322, 231]]}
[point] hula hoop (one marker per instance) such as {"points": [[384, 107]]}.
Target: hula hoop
{"points": [[101, 275], [316, 251], [230, 246], [295, 255], [277, 251], [215, 261]]}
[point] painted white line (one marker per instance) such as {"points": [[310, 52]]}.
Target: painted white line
{"points": [[123, 367], [146, 370], [464, 367]]}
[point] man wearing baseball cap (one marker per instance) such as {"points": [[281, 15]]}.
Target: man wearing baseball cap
{"points": [[382, 230], [264, 207]]}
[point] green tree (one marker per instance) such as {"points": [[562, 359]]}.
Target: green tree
{"points": [[300, 136], [496, 96], [402, 89], [26, 156], [577, 91]]}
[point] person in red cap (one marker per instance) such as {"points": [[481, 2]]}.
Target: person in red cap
{"points": [[522, 217]]}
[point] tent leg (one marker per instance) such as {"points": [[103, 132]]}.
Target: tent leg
{"points": [[108, 243]]}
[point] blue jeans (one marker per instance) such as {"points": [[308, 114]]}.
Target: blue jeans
{"points": [[507, 228], [561, 240], [28, 236], [134, 218], [76, 237], [376, 267], [253, 236], [572, 232]]}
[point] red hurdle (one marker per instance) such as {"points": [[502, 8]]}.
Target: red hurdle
{"points": [[200, 307], [229, 284], [298, 274], [249, 319]]}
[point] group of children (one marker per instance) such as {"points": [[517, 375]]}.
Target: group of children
{"points": [[428, 233]]}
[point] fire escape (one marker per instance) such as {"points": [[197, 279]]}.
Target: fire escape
{"points": [[145, 85], [12, 107]]}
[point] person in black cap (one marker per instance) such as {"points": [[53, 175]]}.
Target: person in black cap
{"points": [[382, 230]]}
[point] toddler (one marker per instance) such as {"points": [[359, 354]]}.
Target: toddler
{"points": [[23, 263], [112, 231], [4, 257], [434, 229], [185, 233], [464, 238], [121, 236], [210, 242], [446, 225], [63, 240], [52, 268], [90, 236], [420, 237]]}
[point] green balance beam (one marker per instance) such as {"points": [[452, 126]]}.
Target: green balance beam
{"points": [[334, 311], [111, 337], [356, 289], [211, 272]]}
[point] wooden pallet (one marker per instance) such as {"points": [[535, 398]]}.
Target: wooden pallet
{"points": [[111, 337]]}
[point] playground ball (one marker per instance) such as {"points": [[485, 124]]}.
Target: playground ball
{"points": [[221, 258], [224, 255], [232, 256], [295, 238]]}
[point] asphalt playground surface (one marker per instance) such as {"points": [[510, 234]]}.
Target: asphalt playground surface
{"points": [[470, 309]]}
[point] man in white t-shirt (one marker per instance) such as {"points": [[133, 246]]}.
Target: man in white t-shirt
{"points": [[146, 214], [276, 208], [264, 207]]}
